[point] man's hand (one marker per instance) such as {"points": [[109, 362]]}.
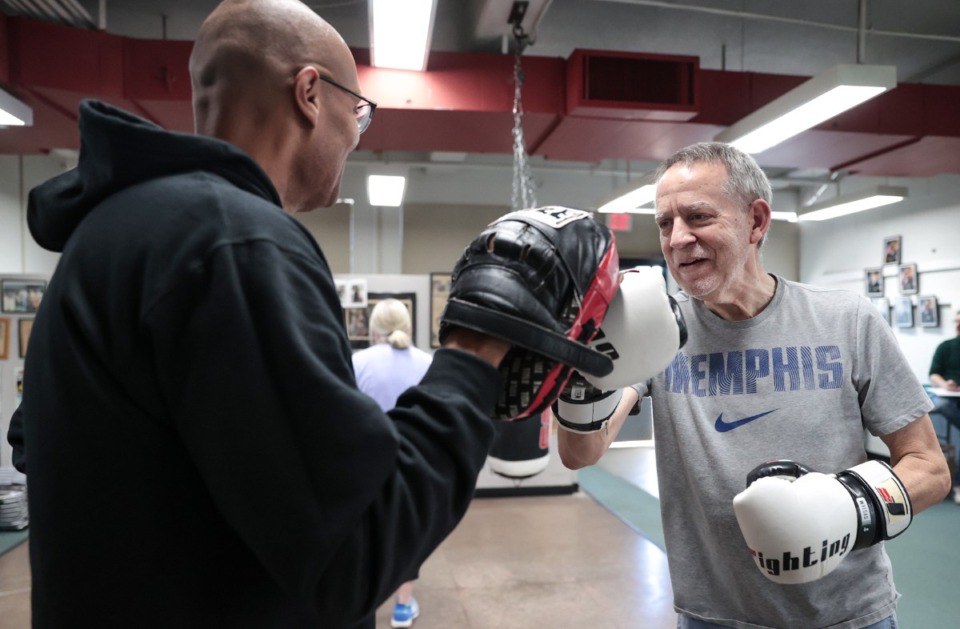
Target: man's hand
{"points": [[484, 346]]}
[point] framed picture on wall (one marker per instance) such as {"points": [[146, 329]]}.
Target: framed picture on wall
{"points": [[352, 293], [874, 281], [4, 338], [883, 305], [358, 327], [21, 295], [891, 250], [439, 290], [25, 326], [909, 279], [928, 311], [903, 312]]}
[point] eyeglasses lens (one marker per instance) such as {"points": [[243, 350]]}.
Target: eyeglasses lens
{"points": [[364, 113]]}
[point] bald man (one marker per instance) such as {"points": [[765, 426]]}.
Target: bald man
{"points": [[198, 452]]}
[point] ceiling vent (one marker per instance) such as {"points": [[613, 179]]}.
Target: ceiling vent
{"points": [[632, 86]]}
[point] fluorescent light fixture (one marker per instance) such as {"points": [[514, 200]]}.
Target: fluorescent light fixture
{"points": [[824, 96], [866, 199], [14, 112], [400, 32], [631, 201], [386, 190], [790, 217]]}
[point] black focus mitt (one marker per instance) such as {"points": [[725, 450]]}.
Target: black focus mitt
{"points": [[541, 279]]}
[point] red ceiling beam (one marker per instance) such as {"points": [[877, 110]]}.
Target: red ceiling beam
{"points": [[464, 103]]}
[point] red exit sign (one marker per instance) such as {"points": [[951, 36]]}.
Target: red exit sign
{"points": [[620, 222]]}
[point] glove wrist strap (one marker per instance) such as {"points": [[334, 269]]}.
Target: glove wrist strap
{"points": [[587, 416], [889, 497]]}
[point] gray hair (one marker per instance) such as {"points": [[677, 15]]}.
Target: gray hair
{"points": [[746, 182], [390, 322]]}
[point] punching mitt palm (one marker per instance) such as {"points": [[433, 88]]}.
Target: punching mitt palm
{"points": [[541, 279]]}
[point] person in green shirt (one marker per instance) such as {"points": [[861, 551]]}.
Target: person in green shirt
{"points": [[945, 374]]}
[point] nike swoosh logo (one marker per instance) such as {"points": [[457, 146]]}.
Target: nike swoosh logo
{"points": [[723, 426]]}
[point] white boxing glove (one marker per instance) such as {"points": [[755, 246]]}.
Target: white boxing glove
{"points": [[799, 525], [642, 330], [582, 407]]}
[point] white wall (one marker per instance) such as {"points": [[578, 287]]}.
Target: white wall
{"points": [[835, 253], [18, 175]]}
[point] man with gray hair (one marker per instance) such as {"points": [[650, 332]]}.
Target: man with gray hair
{"points": [[773, 370]]}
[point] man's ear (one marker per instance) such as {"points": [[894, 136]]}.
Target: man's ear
{"points": [[759, 216], [306, 87]]}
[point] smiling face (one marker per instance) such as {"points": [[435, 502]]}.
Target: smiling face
{"points": [[708, 239]]}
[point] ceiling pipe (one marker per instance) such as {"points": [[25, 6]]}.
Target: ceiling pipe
{"points": [[862, 33], [784, 20]]}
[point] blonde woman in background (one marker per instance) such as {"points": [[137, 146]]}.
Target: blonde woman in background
{"points": [[386, 369]]}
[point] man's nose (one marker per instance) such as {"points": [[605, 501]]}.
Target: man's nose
{"points": [[680, 235]]}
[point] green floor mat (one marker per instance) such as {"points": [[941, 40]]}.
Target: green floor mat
{"points": [[10, 539], [635, 507]]}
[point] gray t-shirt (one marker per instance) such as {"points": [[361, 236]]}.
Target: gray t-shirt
{"points": [[799, 381]]}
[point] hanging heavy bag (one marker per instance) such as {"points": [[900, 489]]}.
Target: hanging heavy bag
{"points": [[521, 449], [541, 279]]}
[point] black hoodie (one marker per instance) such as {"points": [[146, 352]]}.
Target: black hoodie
{"points": [[199, 454]]}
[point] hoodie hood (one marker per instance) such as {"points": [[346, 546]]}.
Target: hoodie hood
{"points": [[118, 150]]}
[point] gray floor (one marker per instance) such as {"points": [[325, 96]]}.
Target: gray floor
{"points": [[559, 562]]}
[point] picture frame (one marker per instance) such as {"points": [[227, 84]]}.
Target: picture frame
{"points": [[352, 293], [883, 305], [25, 327], [4, 338], [928, 311], [909, 279], [358, 326], [892, 248], [903, 312], [21, 296], [439, 291], [873, 280], [358, 319]]}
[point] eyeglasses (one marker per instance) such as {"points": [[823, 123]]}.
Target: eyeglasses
{"points": [[364, 109]]}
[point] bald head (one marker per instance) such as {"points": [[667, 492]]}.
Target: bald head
{"points": [[256, 71], [251, 50]]}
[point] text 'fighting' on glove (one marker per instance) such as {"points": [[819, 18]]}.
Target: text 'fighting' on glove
{"points": [[799, 524]]}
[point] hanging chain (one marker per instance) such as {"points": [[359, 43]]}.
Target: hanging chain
{"points": [[524, 195]]}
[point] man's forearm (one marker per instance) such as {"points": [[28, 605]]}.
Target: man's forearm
{"points": [[578, 450]]}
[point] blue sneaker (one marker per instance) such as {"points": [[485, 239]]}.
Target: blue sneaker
{"points": [[404, 615]]}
